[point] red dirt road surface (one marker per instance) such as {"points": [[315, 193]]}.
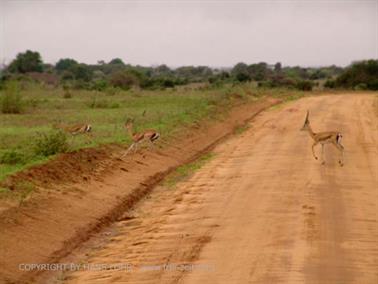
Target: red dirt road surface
{"points": [[262, 210]]}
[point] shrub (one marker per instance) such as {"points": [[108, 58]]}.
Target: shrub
{"points": [[243, 77], [99, 85], [373, 85], [363, 72], [304, 85], [81, 72], [361, 86], [329, 84], [12, 157], [47, 144], [10, 100], [124, 80]]}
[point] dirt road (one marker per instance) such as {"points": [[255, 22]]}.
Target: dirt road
{"points": [[262, 210]]}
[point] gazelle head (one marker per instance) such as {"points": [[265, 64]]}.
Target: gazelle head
{"points": [[306, 124]]}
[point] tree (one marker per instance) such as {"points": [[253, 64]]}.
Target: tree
{"points": [[259, 71], [240, 72], [362, 74], [81, 72], [65, 64], [277, 67], [162, 70], [116, 61], [29, 61]]}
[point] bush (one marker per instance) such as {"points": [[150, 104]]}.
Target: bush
{"points": [[304, 85], [124, 80], [361, 86], [47, 144], [12, 157], [99, 85], [330, 84], [243, 77], [373, 85], [363, 72], [10, 100]]}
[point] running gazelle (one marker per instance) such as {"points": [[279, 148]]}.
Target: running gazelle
{"points": [[74, 129], [323, 138], [150, 135]]}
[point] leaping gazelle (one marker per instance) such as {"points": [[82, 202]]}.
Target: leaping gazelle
{"points": [[323, 138], [74, 129], [150, 135]]}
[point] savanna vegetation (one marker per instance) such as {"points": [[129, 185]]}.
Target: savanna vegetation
{"points": [[361, 75], [34, 96]]}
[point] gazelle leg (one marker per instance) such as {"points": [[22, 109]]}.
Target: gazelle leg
{"points": [[323, 162], [313, 153], [152, 144], [128, 150], [341, 149]]}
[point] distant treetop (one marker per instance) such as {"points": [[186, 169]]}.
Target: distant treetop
{"points": [[29, 61], [116, 61]]}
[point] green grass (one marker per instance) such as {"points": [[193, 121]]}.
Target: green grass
{"points": [[165, 111], [183, 172]]}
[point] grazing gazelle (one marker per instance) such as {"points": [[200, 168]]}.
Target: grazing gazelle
{"points": [[332, 137], [150, 135]]}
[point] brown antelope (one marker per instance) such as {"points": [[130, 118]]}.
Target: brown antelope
{"points": [[323, 138], [74, 129], [150, 135]]}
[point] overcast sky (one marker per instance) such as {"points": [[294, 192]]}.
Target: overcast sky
{"points": [[215, 33]]}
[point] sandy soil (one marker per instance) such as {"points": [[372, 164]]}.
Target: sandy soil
{"points": [[80, 193], [261, 211]]}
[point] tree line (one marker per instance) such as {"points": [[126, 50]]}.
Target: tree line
{"points": [[118, 74]]}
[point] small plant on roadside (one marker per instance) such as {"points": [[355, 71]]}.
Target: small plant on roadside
{"points": [[12, 157], [47, 144]]}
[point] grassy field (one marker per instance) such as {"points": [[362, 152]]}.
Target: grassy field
{"points": [[165, 111]]}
